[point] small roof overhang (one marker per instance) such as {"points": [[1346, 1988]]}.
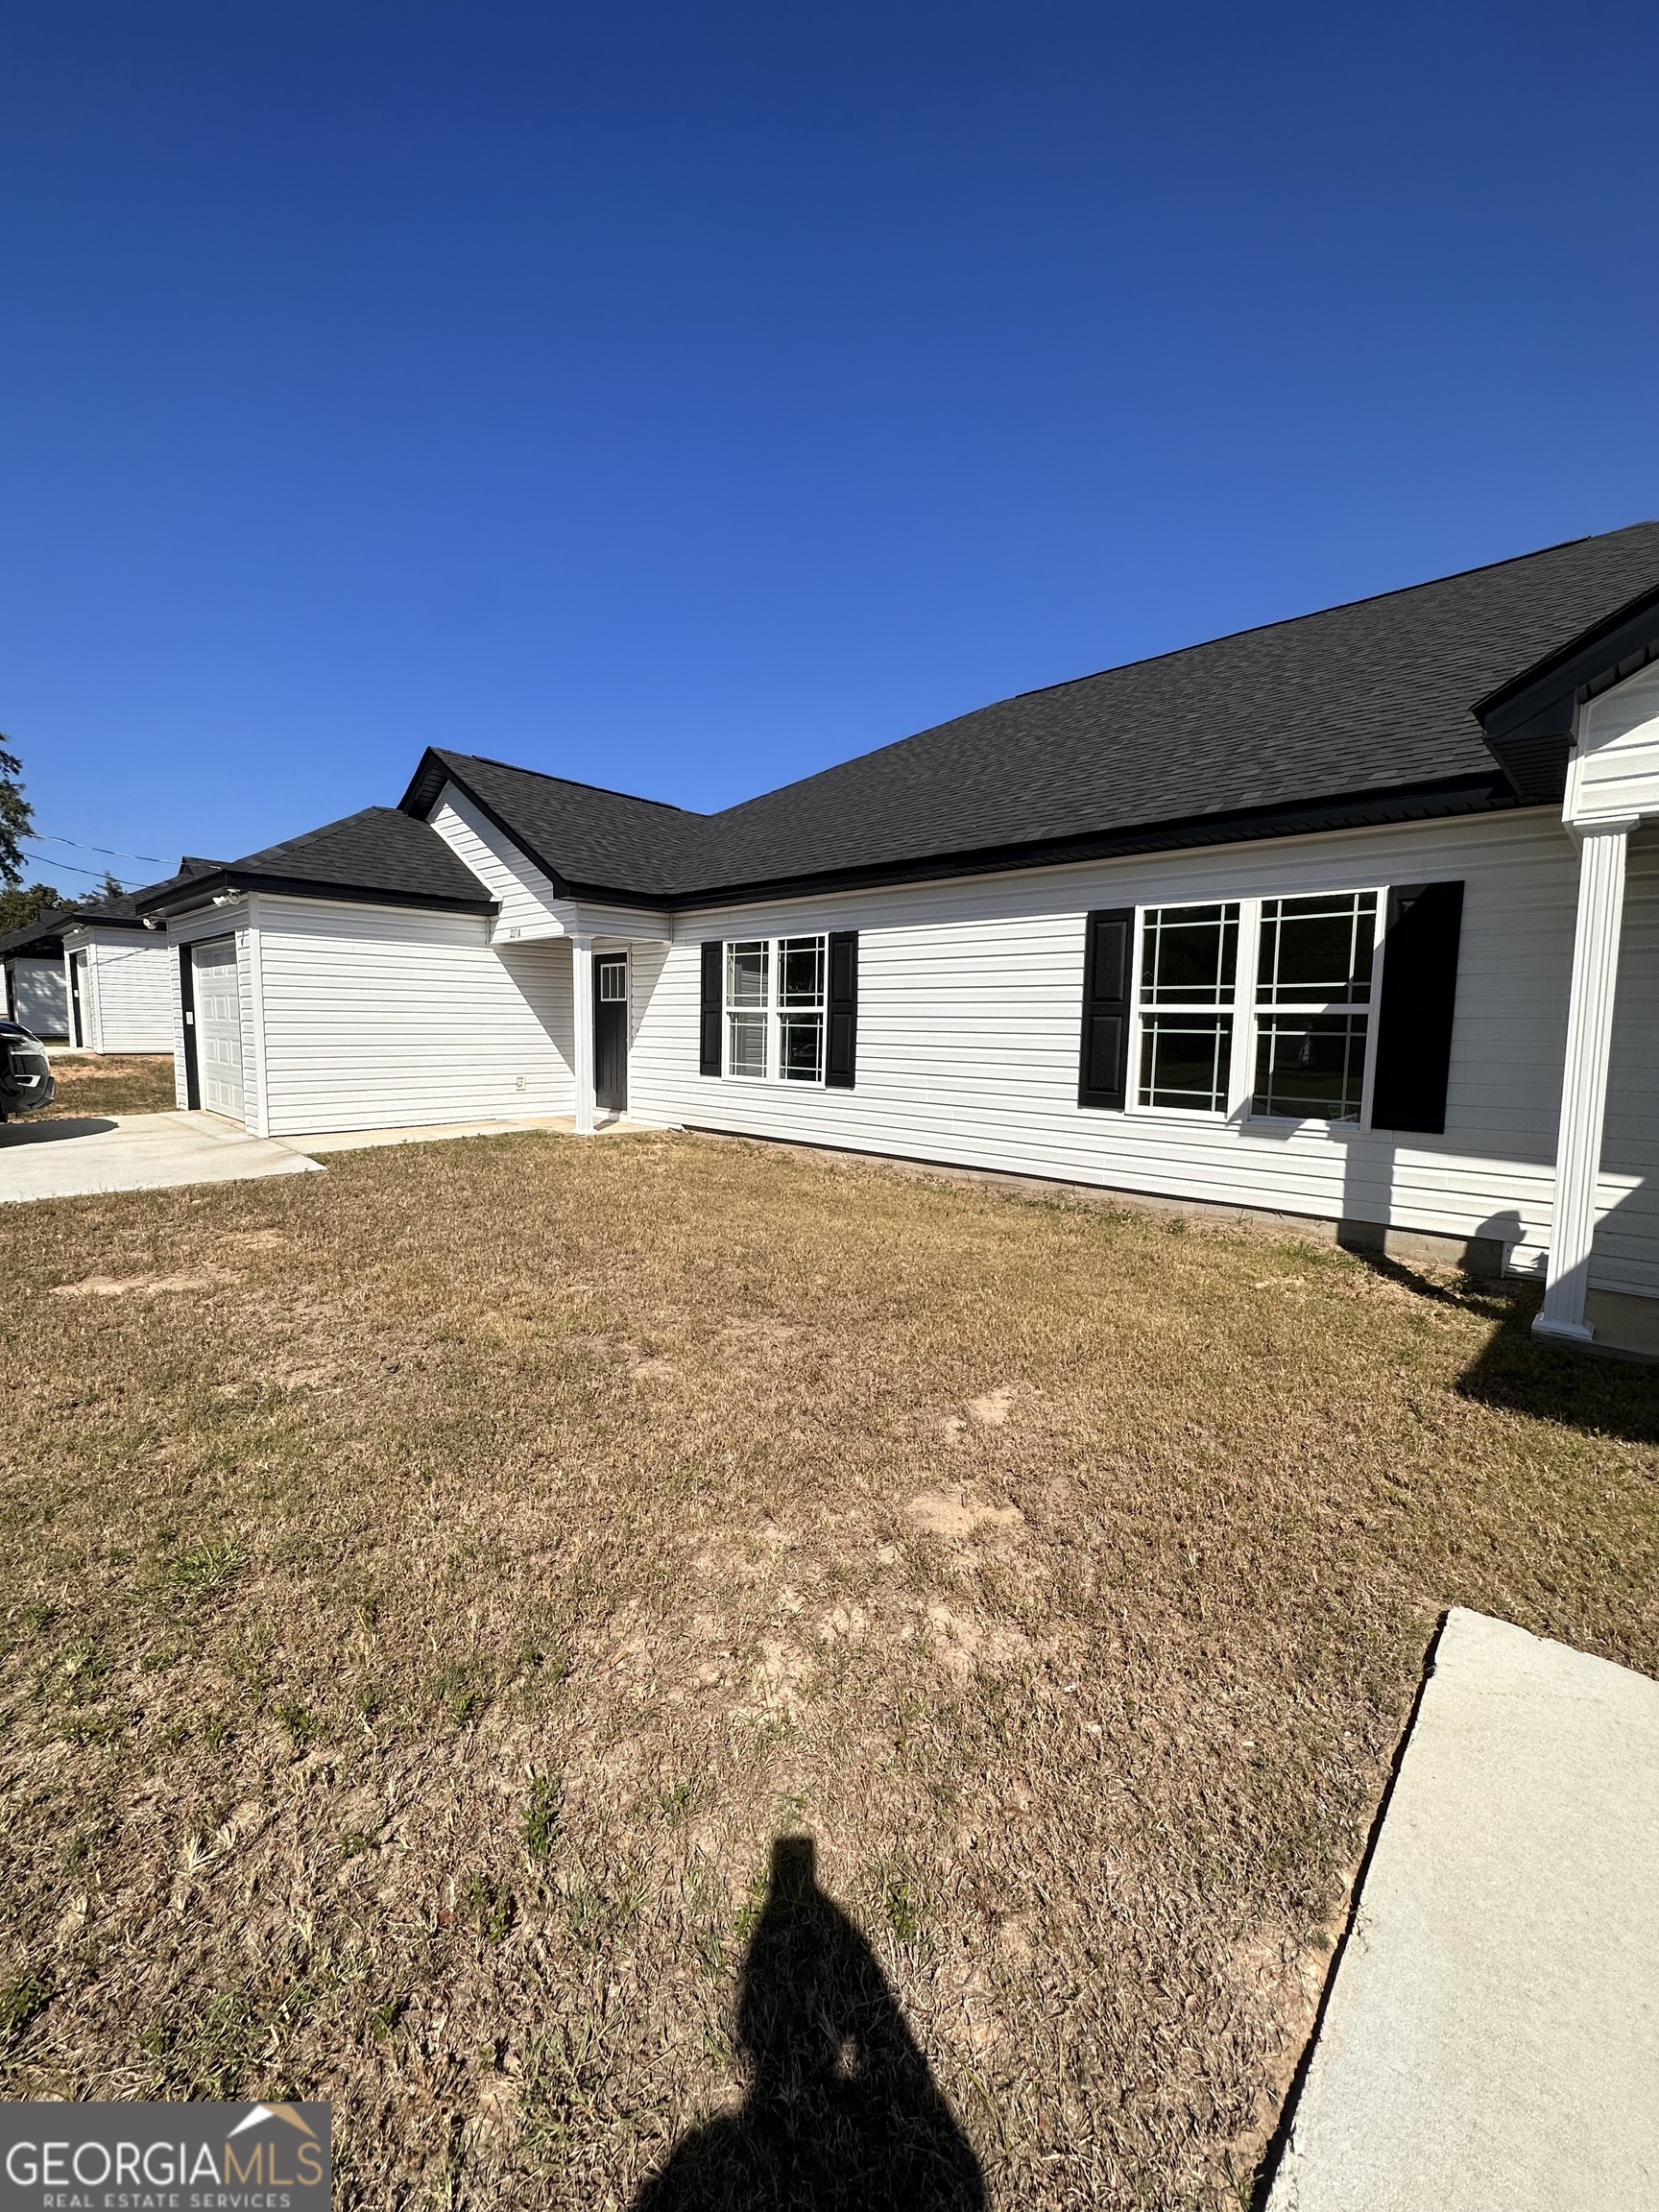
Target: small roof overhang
{"points": [[1528, 721], [225, 884]]}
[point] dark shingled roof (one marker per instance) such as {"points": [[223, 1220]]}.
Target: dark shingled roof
{"points": [[580, 834], [1359, 713], [380, 855], [1363, 714], [43, 935]]}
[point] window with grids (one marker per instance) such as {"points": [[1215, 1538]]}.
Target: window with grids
{"points": [[1189, 983], [775, 991], [1258, 1005], [1313, 1006]]}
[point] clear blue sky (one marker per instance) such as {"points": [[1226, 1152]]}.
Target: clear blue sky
{"points": [[686, 396]]}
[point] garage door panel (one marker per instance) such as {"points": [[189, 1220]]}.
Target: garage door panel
{"points": [[218, 1027]]}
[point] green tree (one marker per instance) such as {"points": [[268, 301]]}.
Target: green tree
{"points": [[25, 902], [17, 819]]}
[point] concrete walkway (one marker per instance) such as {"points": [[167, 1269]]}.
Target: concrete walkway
{"points": [[80, 1154], [1491, 2042]]}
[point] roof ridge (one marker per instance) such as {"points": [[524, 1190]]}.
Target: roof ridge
{"points": [[575, 783], [1286, 621]]}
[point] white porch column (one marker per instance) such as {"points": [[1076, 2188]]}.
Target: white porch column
{"points": [[582, 1017], [1584, 1083]]}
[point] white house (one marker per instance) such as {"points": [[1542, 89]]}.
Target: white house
{"points": [[96, 977], [36, 988], [1351, 918]]}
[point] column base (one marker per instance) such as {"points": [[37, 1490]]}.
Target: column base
{"points": [[1569, 1332]]}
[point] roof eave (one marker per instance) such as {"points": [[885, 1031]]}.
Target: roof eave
{"points": [[229, 882], [1485, 792]]}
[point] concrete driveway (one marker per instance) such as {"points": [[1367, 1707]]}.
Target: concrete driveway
{"points": [[80, 1154]]}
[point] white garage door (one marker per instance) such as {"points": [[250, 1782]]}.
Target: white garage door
{"points": [[218, 1027]]}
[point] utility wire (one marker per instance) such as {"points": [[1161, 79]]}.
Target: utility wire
{"points": [[98, 872], [115, 852]]}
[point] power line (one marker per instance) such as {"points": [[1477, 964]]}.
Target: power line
{"points": [[98, 872], [115, 852]]}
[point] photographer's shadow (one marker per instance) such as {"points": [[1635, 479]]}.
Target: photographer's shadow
{"points": [[842, 2110]]}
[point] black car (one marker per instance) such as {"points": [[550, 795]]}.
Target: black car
{"points": [[26, 1079]]}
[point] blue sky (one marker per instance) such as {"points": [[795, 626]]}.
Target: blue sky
{"points": [[685, 398]]}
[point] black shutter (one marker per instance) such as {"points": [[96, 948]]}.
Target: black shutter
{"points": [[1415, 1019], [1109, 936], [713, 1009], [841, 1043]]}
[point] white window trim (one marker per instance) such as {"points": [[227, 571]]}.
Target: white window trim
{"points": [[775, 1011], [1245, 1011]]}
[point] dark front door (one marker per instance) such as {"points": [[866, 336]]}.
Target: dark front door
{"points": [[610, 1031]]}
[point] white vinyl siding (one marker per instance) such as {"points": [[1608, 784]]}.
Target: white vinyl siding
{"points": [[39, 995], [1614, 766], [970, 1001], [529, 906], [392, 1017], [528, 902], [128, 993]]}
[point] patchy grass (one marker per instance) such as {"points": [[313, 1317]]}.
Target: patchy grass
{"points": [[416, 1635], [113, 1083]]}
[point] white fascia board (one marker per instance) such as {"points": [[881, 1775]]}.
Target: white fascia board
{"points": [[201, 923], [623, 926]]}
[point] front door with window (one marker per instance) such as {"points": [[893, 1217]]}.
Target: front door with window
{"points": [[610, 1031]]}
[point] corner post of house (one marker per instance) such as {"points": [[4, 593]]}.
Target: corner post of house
{"points": [[1602, 857], [582, 1022]]}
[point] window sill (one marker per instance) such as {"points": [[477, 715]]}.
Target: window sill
{"points": [[775, 1082], [1321, 1122]]}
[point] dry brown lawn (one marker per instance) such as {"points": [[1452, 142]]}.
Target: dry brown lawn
{"points": [[431, 1587], [113, 1083]]}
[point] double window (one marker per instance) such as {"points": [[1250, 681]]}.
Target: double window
{"points": [[773, 1008], [1257, 1004]]}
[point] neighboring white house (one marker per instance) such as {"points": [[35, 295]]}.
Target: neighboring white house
{"points": [[96, 977], [36, 988], [1351, 918]]}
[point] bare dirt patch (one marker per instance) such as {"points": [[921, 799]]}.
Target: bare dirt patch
{"points": [[140, 1285], [954, 1513], [405, 1683]]}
